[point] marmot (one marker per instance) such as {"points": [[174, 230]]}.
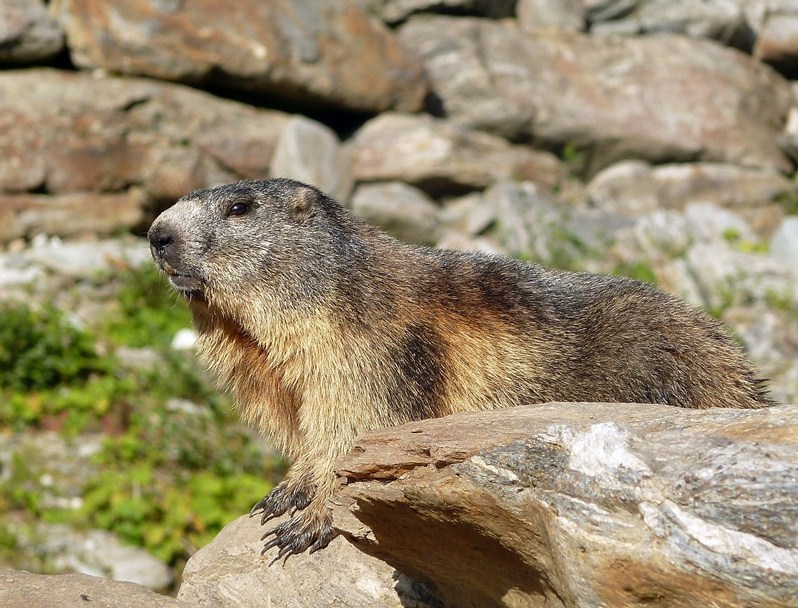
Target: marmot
{"points": [[324, 327]]}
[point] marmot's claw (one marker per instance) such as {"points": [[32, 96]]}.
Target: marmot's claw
{"points": [[298, 534], [282, 498]]}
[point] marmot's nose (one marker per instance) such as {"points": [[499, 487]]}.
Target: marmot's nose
{"points": [[161, 238]]}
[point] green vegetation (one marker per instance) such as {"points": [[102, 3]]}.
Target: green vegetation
{"points": [[788, 202], [174, 466], [640, 271], [782, 301], [40, 350], [567, 250], [733, 237], [574, 158]]}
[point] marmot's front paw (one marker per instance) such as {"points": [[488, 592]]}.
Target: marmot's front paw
{"points": [[312, 529], [284, 496]]}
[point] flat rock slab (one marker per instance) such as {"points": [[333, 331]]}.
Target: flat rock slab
{"points": [[19, 589], [584, 505], [66, 132]]}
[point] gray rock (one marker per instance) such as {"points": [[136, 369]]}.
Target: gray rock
{"points": [[663, 232], [606, 10], [634, 187], [27, 32], [395, 11], [526, 219], [777, 37], [530, 223], [468, 214], [310, 152], [18, 588], [184, 339], [770, 336], [789, 137], [613, 98], [674, 276], [627, 188], [586, 504], [69, 215], [538, 14], [453, 239], [439, 157], [67, 132], [784, 244], [16, 274], [56, 469], [725, 185], [139, 359], [230, 572], [316, 53], [99, 553], [721, 20], [726, 276], [82, 260], [706, 222], [401, 210]]}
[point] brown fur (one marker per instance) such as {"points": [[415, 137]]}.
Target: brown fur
{"points": [[324, 328]]}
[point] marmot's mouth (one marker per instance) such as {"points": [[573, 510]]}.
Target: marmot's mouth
{"points": [[188, 285]]}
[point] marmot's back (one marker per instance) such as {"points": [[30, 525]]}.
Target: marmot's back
{"points": [[324, 328], [517, 333]]}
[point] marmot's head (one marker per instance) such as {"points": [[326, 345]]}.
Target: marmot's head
{"points": [[265, 239]]}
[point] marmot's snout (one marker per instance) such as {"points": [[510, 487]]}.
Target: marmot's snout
{"points": [[161, 241], [165, 249]]}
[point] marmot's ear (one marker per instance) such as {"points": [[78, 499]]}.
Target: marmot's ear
{"points": [[302, 203]]}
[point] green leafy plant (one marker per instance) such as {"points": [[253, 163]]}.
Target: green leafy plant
{"points": [[39, 349], [174, 467]]}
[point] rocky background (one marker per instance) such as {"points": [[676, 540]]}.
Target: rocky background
{"points": [[647, 138]]}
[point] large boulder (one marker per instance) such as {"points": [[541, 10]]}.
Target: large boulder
{"points": [[722, 20], [314, 53], [584, 504], [400, 209], [613, 97], [443, 158], [19, 588], [777, 39], [230, 572], [534, 15], [27, 32], [394, 11], [67, 133], [69, 215], [311, 152], [631, 188]]}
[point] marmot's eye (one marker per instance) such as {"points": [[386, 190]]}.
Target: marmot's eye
{"points": [[238, 209]]}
